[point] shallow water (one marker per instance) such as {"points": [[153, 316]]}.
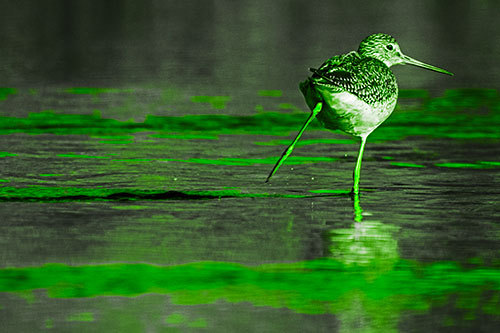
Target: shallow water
{"points": [[88, 193]]}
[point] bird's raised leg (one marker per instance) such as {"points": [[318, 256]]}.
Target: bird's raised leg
{"points": [[357, 169], [289, 150]]}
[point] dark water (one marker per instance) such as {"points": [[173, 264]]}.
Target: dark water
{"points": [[135, 139]]}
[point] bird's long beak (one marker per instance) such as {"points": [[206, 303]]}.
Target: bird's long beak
{"points": [[411, 61]]}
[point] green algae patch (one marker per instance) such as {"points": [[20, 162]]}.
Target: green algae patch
{"points": [[241, 194], [464, 100], [186, 136], [49, 121], [198, 323], [466, 165], [175, 319], [6, 154], [306, 142], [49, 323], [407, 165], [313, 287], [5, 92], [289, 106], [270, 93], [116, 142], [73, 155], [292, 160], [136, 160], [267, 123], [217, 102], [492, 163], [113, 137], [130, 207], [82, 317], [331, 191], [464, 114], [75, 194], [413, 93]]}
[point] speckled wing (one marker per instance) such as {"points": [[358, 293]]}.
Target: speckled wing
{"points": [[367, 78]]}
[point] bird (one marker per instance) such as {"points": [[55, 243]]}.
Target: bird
{"points": [[355, 92]]}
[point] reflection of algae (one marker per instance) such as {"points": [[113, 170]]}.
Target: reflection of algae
{"points": [[57, 194], [82, 316], [477, 165], [331, 191], [316, 286], [198, 323], [465, 99], [96, 91], [459, 114], [4, 92], [180, 319], [288, 106], [407, 165], [49, 323], [65, 124], [6, 154], [73, 155], [413, 93], [186, 136], [270, 93], [116, 142], [175, 318], [217, 102], [56, 123], [306, 142], [492, 163], [294, 160]]}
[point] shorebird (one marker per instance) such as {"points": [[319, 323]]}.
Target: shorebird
{"points": [[355, 92]]}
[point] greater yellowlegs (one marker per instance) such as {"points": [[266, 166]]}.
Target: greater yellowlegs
{"points": [[355, 92]]}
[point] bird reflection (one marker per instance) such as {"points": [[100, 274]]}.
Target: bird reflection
{"points": [[367, 248], [367, 242]]}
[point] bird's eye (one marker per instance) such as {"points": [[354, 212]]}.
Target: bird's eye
{"points": [[389, 47]]}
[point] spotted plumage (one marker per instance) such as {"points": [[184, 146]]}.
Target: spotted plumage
{"points": [[355, 92], [366, 75], [367, 78], [358, 93]]}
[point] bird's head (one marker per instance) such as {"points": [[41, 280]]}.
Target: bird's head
{"points": [[385, 48]]}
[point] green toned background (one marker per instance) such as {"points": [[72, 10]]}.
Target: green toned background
{"points": [[135, 138]]}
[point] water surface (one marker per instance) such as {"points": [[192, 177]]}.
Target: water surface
{"points": [[164, 220]]}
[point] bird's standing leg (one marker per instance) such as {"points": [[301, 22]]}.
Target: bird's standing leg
{"points": [[357, 169], [289, 150], [358, 212]]}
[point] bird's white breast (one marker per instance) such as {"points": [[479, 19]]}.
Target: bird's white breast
{"points": [[348, 113]]}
